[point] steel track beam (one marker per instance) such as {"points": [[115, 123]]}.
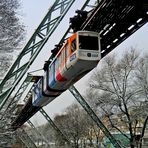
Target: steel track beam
{"points": [[116, 20]]}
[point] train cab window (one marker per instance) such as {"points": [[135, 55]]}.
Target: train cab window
{"points": [[88, 42], [73, 44]]}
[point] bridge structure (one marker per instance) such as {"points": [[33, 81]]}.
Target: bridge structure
{"points": [[114, 20]]}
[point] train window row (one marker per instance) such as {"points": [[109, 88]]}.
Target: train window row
{"points": [[63, 55]]}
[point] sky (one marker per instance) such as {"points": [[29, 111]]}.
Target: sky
{"points": [[33, 11]]}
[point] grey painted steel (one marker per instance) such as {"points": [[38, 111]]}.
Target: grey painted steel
{"points": [[92, 114], [54, 126], [33, 47], [12, 103], [38, 133], [25, 138]]}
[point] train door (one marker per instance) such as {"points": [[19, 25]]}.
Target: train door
{"points": [[72, 51], [37, 92], [67, 53], [51, 77], [63, 58]]}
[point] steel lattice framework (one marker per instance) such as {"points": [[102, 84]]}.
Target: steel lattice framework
{"points": [[125, 18], [32, 48]]}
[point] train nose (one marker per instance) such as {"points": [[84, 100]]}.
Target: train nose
{"points": [[89, 54]]}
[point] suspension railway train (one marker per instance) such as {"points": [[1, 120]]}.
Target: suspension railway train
{"points": [[79, 55]]}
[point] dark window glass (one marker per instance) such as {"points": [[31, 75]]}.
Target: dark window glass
{"points": [[67, 50], [73, 44], [88, 42], [57, 63]]}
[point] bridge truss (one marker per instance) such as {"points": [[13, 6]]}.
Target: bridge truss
{"points": [[115, 21]]}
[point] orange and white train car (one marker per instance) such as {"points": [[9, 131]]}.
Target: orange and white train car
{"points": [[80, 54]]}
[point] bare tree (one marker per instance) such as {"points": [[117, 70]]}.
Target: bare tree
{"points": [[142, 76], [11, 35], [118, 96], [10, 27], [11, 31], [142, 82], [75, 124]]}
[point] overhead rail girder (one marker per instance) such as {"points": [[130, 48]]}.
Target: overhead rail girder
{"points": [[116, 20], [92, 114], [18, 94], [33, 47]]}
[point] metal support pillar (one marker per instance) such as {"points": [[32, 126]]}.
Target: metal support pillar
{"points": [[37, 132], [92, 114], [32, 48], [54, 126], [24, 137]]}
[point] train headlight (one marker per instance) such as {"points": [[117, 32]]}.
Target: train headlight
{"points": [[89, 54]]}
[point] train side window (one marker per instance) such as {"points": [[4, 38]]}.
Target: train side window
{"points": [[36, 89], [73, 45], [57, 63], [60, 59], [40, 83], [45, 80], [67, 50], [63, 55], [51, 70]]}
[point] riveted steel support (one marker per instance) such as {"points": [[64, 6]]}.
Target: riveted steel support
{"points": [[37, 132], [24, 137], [54, 125], [92, 114]]}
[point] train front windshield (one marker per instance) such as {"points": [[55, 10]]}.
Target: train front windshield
{"points": [[88, 42]]}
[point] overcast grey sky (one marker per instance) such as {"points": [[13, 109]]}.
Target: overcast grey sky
{"points": [[33, 13]]}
